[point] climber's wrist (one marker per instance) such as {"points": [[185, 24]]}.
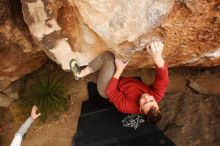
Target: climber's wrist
{"points": [[117, 74], [159, 61]]}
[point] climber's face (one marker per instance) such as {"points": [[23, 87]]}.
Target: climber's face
{"points": [[147, 102]]}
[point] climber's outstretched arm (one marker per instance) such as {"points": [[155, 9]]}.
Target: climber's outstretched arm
{"points": [[24, 128], [155, 49]]}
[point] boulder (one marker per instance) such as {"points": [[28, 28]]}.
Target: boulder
{"points": [[82, 29], [19, 55], [206, 84], [13, 89], [5, 101]]}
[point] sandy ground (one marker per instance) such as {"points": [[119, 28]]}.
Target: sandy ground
{"points": [[189, 119]]}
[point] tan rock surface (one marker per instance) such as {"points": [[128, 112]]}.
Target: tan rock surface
{"points": [[18, 54], [57, 25], [206, 84], [5, 101], [13, 89], [82, 29]]}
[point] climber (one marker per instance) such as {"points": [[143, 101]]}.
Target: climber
{"points": [[126, 93], [24, 128]]}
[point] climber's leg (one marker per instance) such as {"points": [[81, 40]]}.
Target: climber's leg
{"points": [[105, 64], [106, 72]]}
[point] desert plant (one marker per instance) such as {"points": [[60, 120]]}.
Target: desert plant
{"points": [[47, 92]]}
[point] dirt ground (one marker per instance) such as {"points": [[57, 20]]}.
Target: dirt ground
{"points": [[56, 132], [189, 118]]}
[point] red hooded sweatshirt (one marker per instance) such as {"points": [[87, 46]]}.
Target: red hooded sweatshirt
{"points": [[125, 92]]}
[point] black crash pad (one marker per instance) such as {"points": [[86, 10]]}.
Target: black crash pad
{"points": [[100, 124]]}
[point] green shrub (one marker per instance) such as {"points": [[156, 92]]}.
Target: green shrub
{"points": [[47, 92]]}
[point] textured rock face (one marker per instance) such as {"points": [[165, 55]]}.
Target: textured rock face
{"points": [[58, 26], [18, 54], [118, 21], [207, 84], [82, 29], [5, 101]]}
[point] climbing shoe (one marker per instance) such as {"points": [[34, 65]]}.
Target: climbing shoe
{"points": [[74, 67]]}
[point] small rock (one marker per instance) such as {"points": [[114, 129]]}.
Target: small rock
{"points": [[198, 142], [12, 90], [207, 84], [195, 86], [64, 119], [5, 101], [39, 128]]}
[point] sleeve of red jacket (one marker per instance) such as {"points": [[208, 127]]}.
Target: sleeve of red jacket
{"points": [[117, 97], [160, 83]]}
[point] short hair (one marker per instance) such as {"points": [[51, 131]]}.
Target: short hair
{"points": [[153, 116]]}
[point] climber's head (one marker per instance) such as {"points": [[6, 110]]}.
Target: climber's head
{"points": [[150, 108]]}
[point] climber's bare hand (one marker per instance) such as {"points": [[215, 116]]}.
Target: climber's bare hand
{"points": [[155, 49], [34, 113], [120, 64]]}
